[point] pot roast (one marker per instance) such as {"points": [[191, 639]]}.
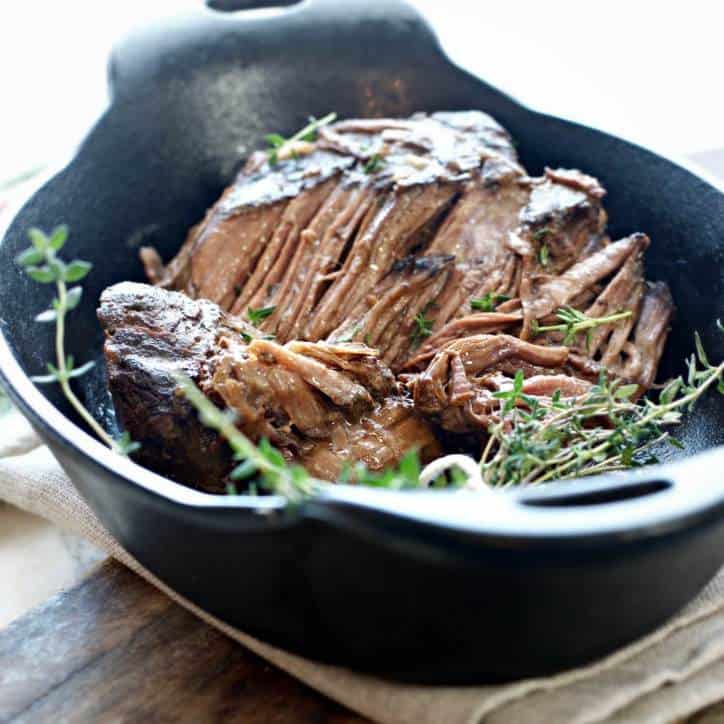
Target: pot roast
{"points": [[368, 292]]}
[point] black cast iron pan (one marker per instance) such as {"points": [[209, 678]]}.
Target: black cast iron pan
{"points": [[432, 586]]}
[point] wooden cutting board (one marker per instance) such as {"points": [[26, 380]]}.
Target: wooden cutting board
{"points": [[114, 649]]}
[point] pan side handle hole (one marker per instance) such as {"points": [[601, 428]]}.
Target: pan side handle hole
{"points": [[233, 6], [614, 494]]}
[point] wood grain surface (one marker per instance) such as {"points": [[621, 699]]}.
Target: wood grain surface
{"points": [[115, 649]]}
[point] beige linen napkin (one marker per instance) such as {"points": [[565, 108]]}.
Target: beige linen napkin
{"points": [[673, 672]]}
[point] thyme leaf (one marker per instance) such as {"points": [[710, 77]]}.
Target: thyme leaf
{"points": [[278, 145], [542, 233], [544, 255], [515, 395], [255, 316], [422, 326], [573, 322], [375, 163], [405, 476], [538, 440], [488, 302], [43, 265]]}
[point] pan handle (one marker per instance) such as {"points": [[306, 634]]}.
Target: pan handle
{"points": [[232, 6], [351, 8], [215, 31], [639, 503]]}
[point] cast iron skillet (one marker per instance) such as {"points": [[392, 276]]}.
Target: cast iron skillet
{"points": [[426, 586]]}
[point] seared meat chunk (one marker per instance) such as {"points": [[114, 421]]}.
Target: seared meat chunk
{"points": [[386, 318], [417, 247], [152, 335], [457, 388], [325, 403], [313, 235], [385, 228]]}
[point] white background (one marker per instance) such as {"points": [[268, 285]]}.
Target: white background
{"points": [[649, 71]]}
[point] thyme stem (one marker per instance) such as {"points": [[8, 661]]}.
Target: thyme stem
{"points": [[42, 264], [571, 328], [63, 379], [598, 431], [279, 145], [714, 374], [290, 481]]}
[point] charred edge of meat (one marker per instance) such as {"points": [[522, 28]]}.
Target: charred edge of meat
{"points": [[415, 152], [300, 396], [431, 264], [141, 364]]}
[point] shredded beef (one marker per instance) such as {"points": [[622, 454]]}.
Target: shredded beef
{"points": [[418, 248]]}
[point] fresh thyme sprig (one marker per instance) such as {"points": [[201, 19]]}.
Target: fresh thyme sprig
{"points": [[542, 233], [43, 265], [264, 461], [278, 145], [374, 164], [573, 322], [422, 326], [544, 255], [255, 316], [600, 431], [488, 302], [275, 474]]}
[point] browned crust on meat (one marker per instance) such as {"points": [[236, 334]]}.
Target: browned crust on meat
{"points": [[369, 246]]}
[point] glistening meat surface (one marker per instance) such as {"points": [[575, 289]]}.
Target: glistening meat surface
{"points": [[321, 403], [386, 251]]}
